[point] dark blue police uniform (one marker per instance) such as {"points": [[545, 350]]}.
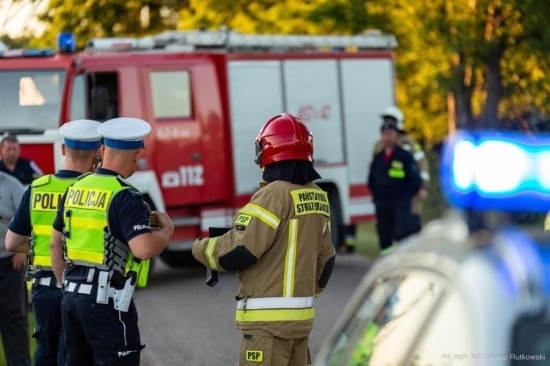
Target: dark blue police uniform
{"points": [[96, 331], [46, 296], [393, 181], [23, 171]]}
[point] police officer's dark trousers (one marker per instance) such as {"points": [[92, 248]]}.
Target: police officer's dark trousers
{"points": [[14, 326], [50, 338], [97, 334], [393, 221]]}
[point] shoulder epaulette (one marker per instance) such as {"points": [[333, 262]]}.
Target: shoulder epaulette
{"points": [[83, 175], [123, 181], [45, 179]]}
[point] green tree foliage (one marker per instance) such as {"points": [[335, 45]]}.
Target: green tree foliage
{"points": [[250, 16], [107, 18], [13, 43]]}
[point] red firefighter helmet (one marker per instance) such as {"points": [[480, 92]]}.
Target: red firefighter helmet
{"points": [[283, 137]]}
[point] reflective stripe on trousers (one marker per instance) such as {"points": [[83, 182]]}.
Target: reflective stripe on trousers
{"points": [[275, 309], [276, 303]]}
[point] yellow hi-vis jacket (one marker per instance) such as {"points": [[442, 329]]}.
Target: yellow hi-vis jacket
{"points": [[286, 229], [86, 218], [45, 195]]}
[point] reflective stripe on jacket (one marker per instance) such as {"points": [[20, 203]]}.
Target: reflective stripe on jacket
{"points": [[407, 143], [44, 200]]}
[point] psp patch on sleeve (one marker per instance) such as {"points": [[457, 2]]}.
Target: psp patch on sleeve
{"points": [[243, 220], [254, 356]]}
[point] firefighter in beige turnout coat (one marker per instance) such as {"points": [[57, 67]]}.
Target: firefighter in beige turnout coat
{"points": [[280, 248]]}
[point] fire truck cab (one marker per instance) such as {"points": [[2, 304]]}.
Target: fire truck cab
{"points": [[206, 94]]}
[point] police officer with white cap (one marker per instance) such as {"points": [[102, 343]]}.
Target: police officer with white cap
{"points": [[101, 246], [30, 232]]}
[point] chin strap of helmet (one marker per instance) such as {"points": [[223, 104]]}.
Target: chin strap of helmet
{"points": [[259, 150]]}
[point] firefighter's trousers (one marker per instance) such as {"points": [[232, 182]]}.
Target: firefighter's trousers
{"points": [[261, 348]]}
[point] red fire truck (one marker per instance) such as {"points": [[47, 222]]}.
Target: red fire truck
{"points": [[206, 94]]}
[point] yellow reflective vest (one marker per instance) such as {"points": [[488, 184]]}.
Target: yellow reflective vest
{"points": [[45, 195], [86, 221]]}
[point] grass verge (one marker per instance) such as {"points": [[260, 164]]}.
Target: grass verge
{"points": [[366, 241]]}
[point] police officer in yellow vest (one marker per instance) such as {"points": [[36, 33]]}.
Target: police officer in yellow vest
{"points": [[280, 248], [30, 232], [101, 245]]}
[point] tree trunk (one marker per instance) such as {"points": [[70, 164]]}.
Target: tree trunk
{"points": [[494, 91], [451, 113], [462, 94]]}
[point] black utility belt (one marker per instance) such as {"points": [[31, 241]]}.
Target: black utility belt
{"points": [[104, 290], [46, 281], [91, 275]]}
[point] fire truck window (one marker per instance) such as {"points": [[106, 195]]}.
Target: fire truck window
{"points": [[31, 99], [78, 99], [171, 94], [103, 96]]}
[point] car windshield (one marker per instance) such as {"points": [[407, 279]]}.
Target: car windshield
{"points": [[387, 323], [30, 100]]}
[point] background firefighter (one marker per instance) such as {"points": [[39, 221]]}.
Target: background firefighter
{"points": [[393, 115], [393, 180]]}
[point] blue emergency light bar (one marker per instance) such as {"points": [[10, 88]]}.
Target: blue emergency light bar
{"points": [[503, 171], [66, 42], [36, 52]]}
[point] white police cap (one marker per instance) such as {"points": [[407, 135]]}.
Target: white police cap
{"points": [[124, 133], [81, 134]]}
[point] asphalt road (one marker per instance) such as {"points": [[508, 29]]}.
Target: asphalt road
{"points": [[183, 322]]}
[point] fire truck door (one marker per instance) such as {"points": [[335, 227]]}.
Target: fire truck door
{"points": [[181, 163]]}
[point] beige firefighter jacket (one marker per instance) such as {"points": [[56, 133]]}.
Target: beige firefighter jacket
{"points": [[286, 228]]}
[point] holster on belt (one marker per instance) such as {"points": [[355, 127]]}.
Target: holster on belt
{"points": [[123, 297]]}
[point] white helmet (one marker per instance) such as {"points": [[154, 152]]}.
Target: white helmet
{"points": [[395, 113]]}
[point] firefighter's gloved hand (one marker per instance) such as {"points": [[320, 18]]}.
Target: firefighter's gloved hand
{"points": [[198, 249]]}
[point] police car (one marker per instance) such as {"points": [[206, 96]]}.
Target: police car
{"points": [[456, 294]]}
